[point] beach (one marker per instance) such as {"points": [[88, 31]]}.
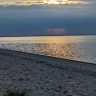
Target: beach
{"points": [[42, 75]]}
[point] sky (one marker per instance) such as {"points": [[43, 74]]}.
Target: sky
{"points": [[47, 17]]}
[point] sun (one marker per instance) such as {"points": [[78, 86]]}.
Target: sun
{"points": [[54, 1]]}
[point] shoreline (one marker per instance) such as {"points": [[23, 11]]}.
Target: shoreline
{"points": [[42, 75], [48, 59]]}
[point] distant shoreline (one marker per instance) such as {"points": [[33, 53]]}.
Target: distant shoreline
{"points": [[49, 35]]}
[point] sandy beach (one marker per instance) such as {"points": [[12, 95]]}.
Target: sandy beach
{"points": [[45, 76]]}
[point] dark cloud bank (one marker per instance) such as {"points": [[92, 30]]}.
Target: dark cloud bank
{"points": [[48, 20]]}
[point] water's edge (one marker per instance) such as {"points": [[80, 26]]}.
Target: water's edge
{"points": [[50, 61]]}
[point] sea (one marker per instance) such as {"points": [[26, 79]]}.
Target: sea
{"points": [[79, 48]]}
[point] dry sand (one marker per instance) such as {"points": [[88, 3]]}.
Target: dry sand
{"points": [[45, 76]]}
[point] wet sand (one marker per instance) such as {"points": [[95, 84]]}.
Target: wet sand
{"points": [[45, 76]]}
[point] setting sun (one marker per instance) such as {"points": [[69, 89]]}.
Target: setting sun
{"points": [[54, 1]]}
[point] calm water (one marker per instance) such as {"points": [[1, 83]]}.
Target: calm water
{"points": [[81, 48]]}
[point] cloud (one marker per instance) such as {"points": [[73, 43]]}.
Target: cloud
{"points": [[42, 2]]}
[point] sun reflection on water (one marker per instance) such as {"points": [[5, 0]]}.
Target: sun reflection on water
{"points": [[79, 48]]}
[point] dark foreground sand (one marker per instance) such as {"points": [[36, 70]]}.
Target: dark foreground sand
{"points": [[45, 76]]}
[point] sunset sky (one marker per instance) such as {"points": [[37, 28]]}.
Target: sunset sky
{"points": [[47, 17]]}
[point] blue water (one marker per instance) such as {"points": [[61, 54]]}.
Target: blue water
{"points": [[80, 48]]}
